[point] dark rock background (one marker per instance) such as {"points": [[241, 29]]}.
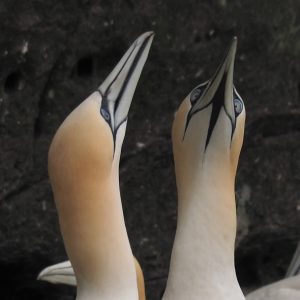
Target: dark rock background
{"points": [[54, 54]]}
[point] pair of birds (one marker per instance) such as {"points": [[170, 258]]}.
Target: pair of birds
{"points": [[84, 156]]}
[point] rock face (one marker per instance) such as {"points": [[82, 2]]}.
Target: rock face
{"points": [[53, 54]]}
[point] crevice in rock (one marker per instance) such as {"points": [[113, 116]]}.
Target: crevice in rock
{"points": [[7, 189], [110, 57], [92, 64], [41, 104], [85, 66], [21, 189], [272, 126], [246, 269], [14, 82]]}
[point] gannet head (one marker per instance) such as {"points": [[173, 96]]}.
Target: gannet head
{"points": [[209, 125], [83, 165], [117, 90], [92, 135]]}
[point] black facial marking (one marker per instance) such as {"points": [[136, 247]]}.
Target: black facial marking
{"points": [[105, 94], [131, 70], [218, 99], [195, 95], [217, 103], [104, 111]]}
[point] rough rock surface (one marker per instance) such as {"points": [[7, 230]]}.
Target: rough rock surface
{"points": [[53, 54]]}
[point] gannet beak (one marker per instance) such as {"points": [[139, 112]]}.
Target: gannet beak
{"points": [[61, 273], [218, 92], [228, 73], [222, 82], [118, 88]]}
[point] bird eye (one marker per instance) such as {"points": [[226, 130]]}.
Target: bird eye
{"points": [[105, 114], [238, 106], [195, 94]]}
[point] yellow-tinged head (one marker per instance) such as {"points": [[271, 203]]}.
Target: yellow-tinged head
{"points": [[208, 128]]}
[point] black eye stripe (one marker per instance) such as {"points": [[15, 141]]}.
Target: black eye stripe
{"points": [[197, 93]]}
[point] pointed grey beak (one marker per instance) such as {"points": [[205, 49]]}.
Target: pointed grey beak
{"points": [[219, 89], [217, 92], [222, 82], [118, 88], [61, 273]]}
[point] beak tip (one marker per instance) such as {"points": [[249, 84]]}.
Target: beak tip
{"points": [[234, 43], [147, 34], [229, 61]]}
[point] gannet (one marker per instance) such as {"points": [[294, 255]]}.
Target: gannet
{"points": [[207, 136], [285, 289], [83, 164]]}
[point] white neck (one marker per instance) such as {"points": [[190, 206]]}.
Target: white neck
{"points": [[90, 293], [202, 263]]}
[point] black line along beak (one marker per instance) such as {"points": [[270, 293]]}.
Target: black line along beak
{"points": [[118, 88], [218, 92]]}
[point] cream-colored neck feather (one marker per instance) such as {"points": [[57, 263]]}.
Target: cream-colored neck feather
{"points": [[202, 265], [84, 177]]}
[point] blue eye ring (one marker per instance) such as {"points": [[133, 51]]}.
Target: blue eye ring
{"points": [[105, 114], [195, 94], [238, 106]]}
